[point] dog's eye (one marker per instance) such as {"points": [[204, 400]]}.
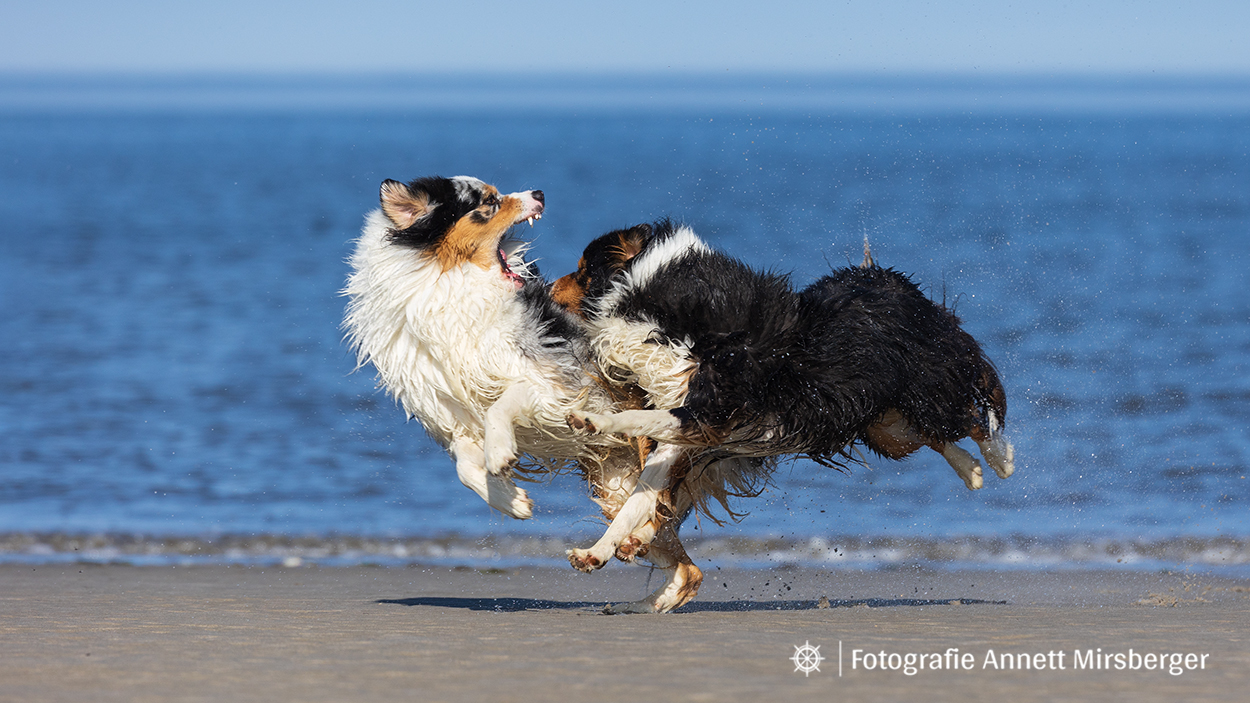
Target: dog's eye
{"points": [[492, 201]]}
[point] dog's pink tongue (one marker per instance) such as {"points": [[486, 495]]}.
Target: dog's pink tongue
{"points": [[508, 272]]}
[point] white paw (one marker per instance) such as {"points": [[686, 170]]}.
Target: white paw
{"points": [[589, 423], [973, 479], [632, 547], [505, 497], [1001, 456], [521, 507]]}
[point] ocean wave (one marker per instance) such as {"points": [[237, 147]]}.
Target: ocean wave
{"points": [[1013, 552]]}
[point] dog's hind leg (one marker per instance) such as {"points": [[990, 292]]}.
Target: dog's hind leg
{"points": [[997, 451], [498, 491], [1000, 455], [682, 580], [968, 468], [638, 509], [500, 423], [673, 505]]}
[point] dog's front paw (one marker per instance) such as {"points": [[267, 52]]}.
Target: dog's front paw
{"points": [[582, 423], [510, 500], [1001, 457], [593, 423], [583, 560], [522, 508], [973, 478]]}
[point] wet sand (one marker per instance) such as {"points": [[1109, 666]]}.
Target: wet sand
{"points": [[120, 633]]}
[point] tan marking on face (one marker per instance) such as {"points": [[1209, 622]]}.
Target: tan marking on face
{"points": [[489, 193], [569, 291], [471, 240]]}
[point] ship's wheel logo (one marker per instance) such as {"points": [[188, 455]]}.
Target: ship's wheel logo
{"points": [[807, 658]]}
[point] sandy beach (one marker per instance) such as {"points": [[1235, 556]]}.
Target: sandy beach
{"points": [[120, 633]]}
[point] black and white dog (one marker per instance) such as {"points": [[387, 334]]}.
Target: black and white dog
{"points": [[736, 363]]}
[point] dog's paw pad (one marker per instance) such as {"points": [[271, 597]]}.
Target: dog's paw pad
{"points": [[581, 424], [630, 549], [583, 560]]}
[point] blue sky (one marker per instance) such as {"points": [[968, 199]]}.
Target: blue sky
{"points": [[730, 37]]}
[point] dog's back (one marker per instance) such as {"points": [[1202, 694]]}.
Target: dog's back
{"points": [[738, 329], [860, 355], [932, 371]]}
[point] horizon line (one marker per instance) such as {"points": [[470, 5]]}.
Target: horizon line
{"points": [[972, 76], [633, 93]]}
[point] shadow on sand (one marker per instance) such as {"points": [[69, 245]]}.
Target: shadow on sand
{"points": [[514, 605]]}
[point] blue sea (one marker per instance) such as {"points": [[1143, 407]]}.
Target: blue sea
{"points": [[174, 386]]}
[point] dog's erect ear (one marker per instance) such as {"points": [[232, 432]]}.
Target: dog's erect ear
{"points": [[402, 206], [632, 242]]}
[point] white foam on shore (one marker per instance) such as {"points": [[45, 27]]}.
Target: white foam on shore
{"points": [[852, 552]]}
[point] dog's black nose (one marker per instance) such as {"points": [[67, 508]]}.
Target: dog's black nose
{"points": [[537, 195]]}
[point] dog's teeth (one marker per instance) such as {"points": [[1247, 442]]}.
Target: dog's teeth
{"points": [[530, 220]]}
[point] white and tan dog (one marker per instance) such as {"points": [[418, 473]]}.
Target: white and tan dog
{"points": [[445, 308], [463, 333]]}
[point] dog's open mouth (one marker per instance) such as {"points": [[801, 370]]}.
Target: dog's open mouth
{"points": [[507, 270]]}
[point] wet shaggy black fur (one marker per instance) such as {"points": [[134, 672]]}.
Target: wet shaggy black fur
{"points": [[804, 373], [879, 332]]}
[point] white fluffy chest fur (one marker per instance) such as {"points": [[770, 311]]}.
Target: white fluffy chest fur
{"points": [[447, 344]]}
